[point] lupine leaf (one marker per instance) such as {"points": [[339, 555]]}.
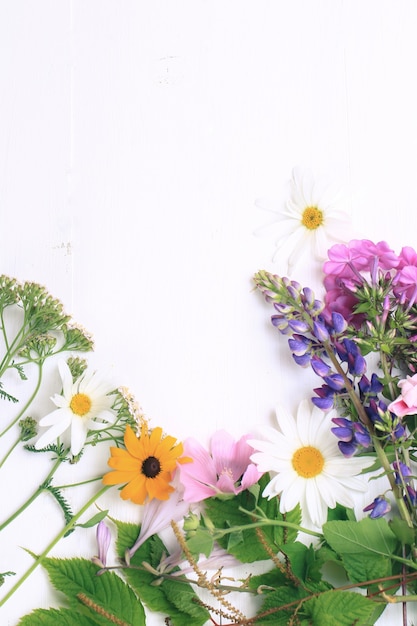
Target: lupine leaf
{"points": [[99, 597]]}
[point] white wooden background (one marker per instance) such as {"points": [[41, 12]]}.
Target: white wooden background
{"points": [[135, 138]]}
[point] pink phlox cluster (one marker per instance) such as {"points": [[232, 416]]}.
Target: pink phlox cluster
{"points": [[361, 262]]}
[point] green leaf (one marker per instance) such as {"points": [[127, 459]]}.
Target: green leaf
{"points": [[99, 597], [368, 535], [170, 597], [343, 608], [402, 531], [366, 547], [94, 520], [227, 514], [55, 617], [283, 597]]}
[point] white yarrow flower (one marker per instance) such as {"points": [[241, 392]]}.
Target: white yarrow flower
{"points": [[307, 466], [309, 220], [83, 406]]}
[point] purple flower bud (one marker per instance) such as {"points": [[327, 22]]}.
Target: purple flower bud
{"points": [[302, 360], [299, 344], [403, 473], [319, 367], [342, 433], [335, 381], [339, 323], [320, 331], [348, 449], [379, 507], [103, 537], [299, 326]]}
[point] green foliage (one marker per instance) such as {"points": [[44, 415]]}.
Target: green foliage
{"points": [[246, 545], [343, 608], [169, 596], [55, 617], [102, 598]]}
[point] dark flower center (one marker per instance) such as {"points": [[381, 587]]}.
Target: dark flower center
{"points": [[151, 467]]}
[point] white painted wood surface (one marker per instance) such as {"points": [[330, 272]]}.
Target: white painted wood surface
{"points": [[135, 137]]}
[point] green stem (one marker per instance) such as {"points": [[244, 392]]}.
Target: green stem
{"points": [[52, 544], [28, 403], [8, 453], [33, 497], [262, 521], [84, 482]]}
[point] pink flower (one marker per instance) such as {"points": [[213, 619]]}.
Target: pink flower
{"points": [[406, 403], [406, 284], [157, 515], [226, 469], [408, 256]]}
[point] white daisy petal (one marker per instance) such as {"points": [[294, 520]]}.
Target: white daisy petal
{"points": [[78, 435], [309, 219], [83, 405], [310, 469], [52, 434]]}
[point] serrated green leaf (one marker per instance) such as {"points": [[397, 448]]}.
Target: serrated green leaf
{"points": [[92, 595], [55, 617], [271, 611], [164, 597], [343, 608]]}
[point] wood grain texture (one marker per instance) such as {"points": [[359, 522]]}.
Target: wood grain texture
{"points": [[135, 138]]}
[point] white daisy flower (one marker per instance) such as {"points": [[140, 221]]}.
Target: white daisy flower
{"points": [[307, 465], [83, 406], [308, 220]]}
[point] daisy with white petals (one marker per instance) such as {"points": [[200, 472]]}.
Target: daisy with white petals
{"points": [[307, 466], [309, 219], [83, 406]]}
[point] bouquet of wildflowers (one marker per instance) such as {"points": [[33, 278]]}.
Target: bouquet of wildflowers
{"points": [[311, 521]]}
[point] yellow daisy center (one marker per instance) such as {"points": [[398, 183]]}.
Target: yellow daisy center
{"points": [[308, 461], [80, 404], [312, 218]]}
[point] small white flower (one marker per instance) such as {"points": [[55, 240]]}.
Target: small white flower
{"points": [[308, 220], [83, 406], [307, 465]]}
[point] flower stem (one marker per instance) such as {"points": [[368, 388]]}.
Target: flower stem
{"points": [[33, 497], [52, 544], [10, 450], [28, 403]]}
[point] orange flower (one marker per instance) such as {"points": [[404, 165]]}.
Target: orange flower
{"points": [[147, 465]]}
